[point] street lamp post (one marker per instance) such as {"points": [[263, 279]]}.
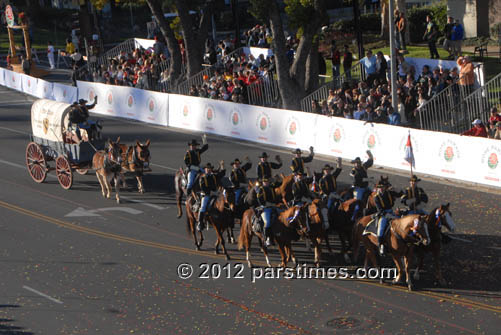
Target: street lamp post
{"points": [[393, 74]]}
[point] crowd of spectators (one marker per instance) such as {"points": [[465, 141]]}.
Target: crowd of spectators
{"points": [[370, 99]]}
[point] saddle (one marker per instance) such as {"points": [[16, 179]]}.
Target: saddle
{"points": [[373, 226], [195, 207]]}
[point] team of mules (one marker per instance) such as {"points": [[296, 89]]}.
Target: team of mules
{"points": [[407, 236], [118, 159]]}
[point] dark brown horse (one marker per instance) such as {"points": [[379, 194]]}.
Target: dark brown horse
{"points": [[437, 218], [108, 166], [403, 236], [290, 223], [134, 159], [220, 216], [340, 220]]}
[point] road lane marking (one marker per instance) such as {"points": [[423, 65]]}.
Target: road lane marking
{"points": [[164, 167], [22, 167], [42, 294], [458, 238], [80, 211], [142, 202], [163, 246], [15, 131]]}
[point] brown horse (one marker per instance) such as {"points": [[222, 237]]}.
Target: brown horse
{"points": [[317, 232], [437, 217], [290, 223], [180, 183], [134, 159], [404, 234], [220, 216], [283, 191], [108, 165]]}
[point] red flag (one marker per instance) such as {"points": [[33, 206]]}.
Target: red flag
{"points": [[409, 154]]}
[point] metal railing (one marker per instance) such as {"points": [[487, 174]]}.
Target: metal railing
{"points": [[477, 105], [127, 46], [356, 73], [264, 92], [198, 79], [443, 112]]}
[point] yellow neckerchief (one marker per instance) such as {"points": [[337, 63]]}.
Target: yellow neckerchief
{"points": [[206, 180], [261, 165]]}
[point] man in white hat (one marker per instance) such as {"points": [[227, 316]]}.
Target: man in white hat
{"points": [[478, 129]]}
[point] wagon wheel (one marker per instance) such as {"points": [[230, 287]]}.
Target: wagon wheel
{"points": [[82, 171], [64, 173], [35, 162]]}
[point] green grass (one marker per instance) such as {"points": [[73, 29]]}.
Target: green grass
{"points": [[40, 39], [492, 65]]}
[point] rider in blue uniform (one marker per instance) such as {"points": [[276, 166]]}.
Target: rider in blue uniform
{"points": [[266, 199], [239, 176], [192, 160], [360, 179], [328, 188], [300, 190], [298, 161], [209, 182], [414, 196], [264, 167], [384, 206]]}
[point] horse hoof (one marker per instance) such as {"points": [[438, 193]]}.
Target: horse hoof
{"points": [[216, 252], [416, 275], [197, 248], [227, 257], [410, 287], [250, 265], [118, 201], [381, 281], [232, 240]]}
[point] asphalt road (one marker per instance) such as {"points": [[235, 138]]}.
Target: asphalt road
{"points": [[73, 262]]}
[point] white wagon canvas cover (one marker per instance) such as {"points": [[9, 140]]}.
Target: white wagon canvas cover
{"points": [[49, 119]]}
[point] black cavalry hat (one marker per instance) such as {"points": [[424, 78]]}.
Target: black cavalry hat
{"points": [[193, 142], [264, 155], [208, 166], [297, 151], [356, 160], [327, 167], [415, 179], [82, 101], [236, 161]]}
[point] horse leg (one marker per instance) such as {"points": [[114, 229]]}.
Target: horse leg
{"points": [[108, 185], [420, 256], [265, 252], [281, 249], [291, 253], [122, 178], [327, 244], [140, 184], [193, 230], [201, 238], [100, 179], [231, 237], [308, 244], [247, 244], [179, 198], [221, 241], [343, 246], [438, 270], [117, 187], [398, 262], [407, 263], [318, 252]]}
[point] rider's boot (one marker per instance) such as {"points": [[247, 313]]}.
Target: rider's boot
{"points": [[200, 221], [267, 234]]}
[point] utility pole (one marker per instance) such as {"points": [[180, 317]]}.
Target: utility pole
{"points": [[358, 29], [394, 101], [234, 9]]}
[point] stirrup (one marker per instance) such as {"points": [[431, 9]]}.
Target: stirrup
{"points": [[268, 242], [381, 250]]}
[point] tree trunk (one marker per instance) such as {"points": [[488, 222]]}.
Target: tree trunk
{"points": [[289, 89], [311, 75], [195, 35], [172, 45]]}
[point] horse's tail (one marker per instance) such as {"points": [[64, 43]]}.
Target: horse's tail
{"points": [[244, 234]]}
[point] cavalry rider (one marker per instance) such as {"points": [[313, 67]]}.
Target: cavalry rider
{"points": [[192, 160], [360, 180], [414, 196], [384, 206], [264, 167], [298, 161], [239, 176], [266, 199], [328, 188], [300, 190], [208, 184]]}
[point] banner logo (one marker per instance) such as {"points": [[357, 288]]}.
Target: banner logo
{"points": [[292, 128], [13, 79], [91, 94], [210, 112], [337, 135], [64, 93], [186, 110], [29, 82], [371, 139], [235, 118], [45, 125], [110, 98], [449, 154], [493, 161], [130, 101], [151, 105]]}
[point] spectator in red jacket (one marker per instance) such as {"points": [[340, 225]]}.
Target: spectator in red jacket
{"points": [[478, 129], [494, 118]]}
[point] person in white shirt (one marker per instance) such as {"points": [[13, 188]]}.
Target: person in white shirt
{"points": [[50, 55]]}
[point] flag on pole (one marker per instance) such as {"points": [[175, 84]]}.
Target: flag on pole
{"points": [[409, 154]]}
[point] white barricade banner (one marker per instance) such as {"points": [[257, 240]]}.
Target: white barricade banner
{"points": [[64, 93], [2, 76], [126, 102], [13, 80], [29, 84], [44, 89]]}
